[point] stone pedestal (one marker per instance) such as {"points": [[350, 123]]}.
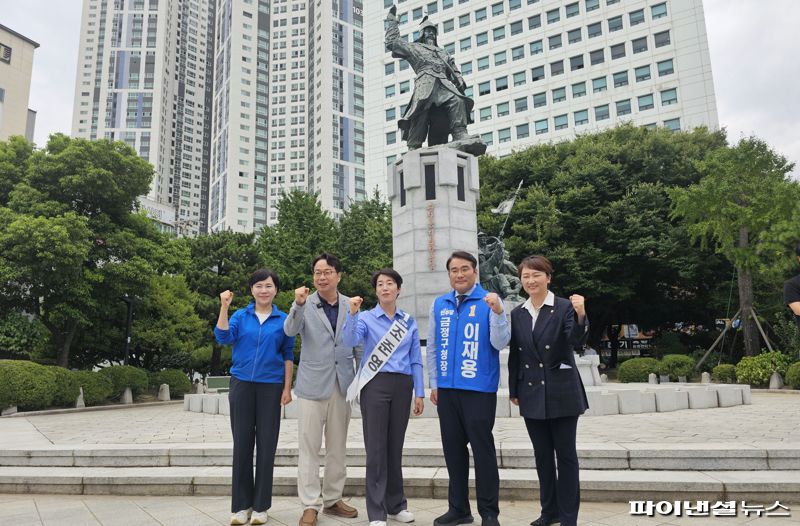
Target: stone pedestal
{"points": [[127, 396], [588, 368], [433, 192], [80, 403], [163, 393], [776, 381]]}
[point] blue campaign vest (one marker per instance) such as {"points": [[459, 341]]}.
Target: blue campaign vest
{"points": [[465, 356]]}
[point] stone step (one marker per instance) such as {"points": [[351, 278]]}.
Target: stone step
{"points": [[596, 485], [510, 455]]}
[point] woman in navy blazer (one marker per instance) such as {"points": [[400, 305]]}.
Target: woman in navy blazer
{"points": [[543, 381]]}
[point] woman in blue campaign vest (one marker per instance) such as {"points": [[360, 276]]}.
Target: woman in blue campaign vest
{"points": [[543, 381], [390, 367], [261, 381]]}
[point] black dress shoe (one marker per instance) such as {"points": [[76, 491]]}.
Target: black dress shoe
{"points": [[452, 518], [490, 521], [544, 521]]}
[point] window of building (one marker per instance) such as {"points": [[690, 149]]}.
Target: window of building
{"points": [[591, 5], [669, 96], [665, 68], [560, 122], [639, 45], [465, 43], [661, 39], [601, 113], [390, 114], [534, 21], [518, 53], [623, 107], [433, 7], [599, 84], [576, 62], [482, 39], [536, 47], [485, 113], [553, 16], [540, 99], [559, 95], [466, 68], [483, 63], [501, 83], [581, 117], [450, 48], [617, 51], [499, 33], [484, 88], [514, 4], [556, 68], [578, 89], [612, 2], [416, 14], [480, 14], [673, 124], [516, 27], [540, 126], [523, 131], [645, 102], [405, 86], [448, 25], [497, 9], [554, 42], [391, 158], [487, 138], [521, 104], [598, 56], [447, 4], [574, 36], [504, 135], [391, 137], [388, 69], [403, 64], [658, 11], [642, 73], [572, 9], [636, 17], [463, 20], [537, 73], [519, 78], [614, 24], [502, 109], [594, 30], [621, 78], [389, 91]]}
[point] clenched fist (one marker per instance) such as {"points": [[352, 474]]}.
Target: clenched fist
{"points": [[226, 298], [301, 295], [578, 304], [393, 10], [355, 304], [493, 300]]}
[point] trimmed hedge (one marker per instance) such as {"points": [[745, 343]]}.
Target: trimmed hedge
{"points": [[66, 389], [793, 376], [676, 365], [179, 383], [96, 387], [636, 369], [724, 373], [24, 384], [122, 376], [756, 370]]}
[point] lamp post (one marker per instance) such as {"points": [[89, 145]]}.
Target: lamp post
{"points": [[129, 302]]}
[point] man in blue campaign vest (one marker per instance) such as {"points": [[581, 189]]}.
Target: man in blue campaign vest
{"points": [[467, 329]]}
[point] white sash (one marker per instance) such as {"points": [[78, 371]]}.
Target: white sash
{"points": [[384, 350]]}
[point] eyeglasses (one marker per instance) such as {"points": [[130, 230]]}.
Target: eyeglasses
{"points": [[327, 273]]}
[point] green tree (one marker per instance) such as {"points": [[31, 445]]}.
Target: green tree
{"points": [[748, 208]]}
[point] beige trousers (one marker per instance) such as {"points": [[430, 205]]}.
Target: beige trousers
{"points": [[331, 417]]}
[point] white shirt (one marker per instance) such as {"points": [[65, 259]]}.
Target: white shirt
{"points": [[263, 317], [549, 300]]}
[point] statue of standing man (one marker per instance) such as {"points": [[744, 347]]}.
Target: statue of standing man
{"points": [[438, 107]]}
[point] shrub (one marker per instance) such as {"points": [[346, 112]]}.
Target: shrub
{"points": [[637, 369], [96, 387], [676, 365], [26, 385], [793, 376], [123, 376], [179, 383], [669, 343], [724, 373], [756, 370], [66, 386]]}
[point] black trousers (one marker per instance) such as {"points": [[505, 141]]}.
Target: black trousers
{"points": [[467, 417], [559, 487], [255, 421], [385, 408]]}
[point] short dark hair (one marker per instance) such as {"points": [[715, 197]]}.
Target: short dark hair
{"points": [[540, 263], [389, 273], [797, 250], [265, 273], [330, 259], [461, 254]]}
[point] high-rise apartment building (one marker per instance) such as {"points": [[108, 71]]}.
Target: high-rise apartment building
{"points": [[547, 70], [288, 107], [16, 64], [144, 77]]}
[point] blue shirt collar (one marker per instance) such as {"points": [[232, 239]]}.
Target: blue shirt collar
{"points": [[378, 312], [251, 308]]}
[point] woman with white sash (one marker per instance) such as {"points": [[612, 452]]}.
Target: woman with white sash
{"points": [[390, 368]]}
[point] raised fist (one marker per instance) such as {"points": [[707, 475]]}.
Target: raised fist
{"points": [[393, 10], [301, 295], [493, 300], [578, 304], [226, 298], [355, 304]]}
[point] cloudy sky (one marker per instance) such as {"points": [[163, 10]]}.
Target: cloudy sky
{"points": [[756, 74]]}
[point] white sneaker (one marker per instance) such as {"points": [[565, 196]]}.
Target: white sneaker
{"points": [[240, 517], [259, 517], [377, 523], [403, 516]]}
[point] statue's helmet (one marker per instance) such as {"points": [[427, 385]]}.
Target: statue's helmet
{"points": [[427, 24]]}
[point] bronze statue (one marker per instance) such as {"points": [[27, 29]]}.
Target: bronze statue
{"points": [[438, 107]]}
